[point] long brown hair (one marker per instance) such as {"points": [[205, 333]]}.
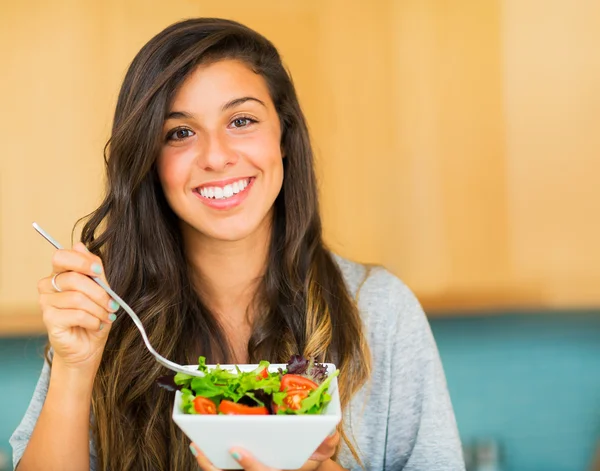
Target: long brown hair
{"points": [[304, 305]]}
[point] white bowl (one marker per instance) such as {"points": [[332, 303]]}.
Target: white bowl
{"points": [[279, 441]]}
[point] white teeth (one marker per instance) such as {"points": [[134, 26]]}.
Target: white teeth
{"points": [[227, 191]]}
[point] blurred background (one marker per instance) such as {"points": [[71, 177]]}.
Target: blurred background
{"points": [[458, 144]]}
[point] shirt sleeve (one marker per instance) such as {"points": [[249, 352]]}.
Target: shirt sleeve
{"points": [[418, 388]]}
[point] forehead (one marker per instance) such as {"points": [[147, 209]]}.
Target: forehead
{"points": [[209, 86]]}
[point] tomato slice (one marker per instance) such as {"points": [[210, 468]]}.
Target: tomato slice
{"points": [[233, 408], [203, 405], [294, 397], [263, 374], [291, 381]]}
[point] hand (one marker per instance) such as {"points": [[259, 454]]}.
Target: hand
{"points": [[249, 463], [77, 315]]}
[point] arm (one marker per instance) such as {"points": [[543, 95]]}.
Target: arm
{"points": [[60, 438], [420, 411], [54, 434]]}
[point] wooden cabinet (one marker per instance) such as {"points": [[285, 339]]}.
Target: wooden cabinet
{"points": [[498, 152], [456, 141], [472, 132], [57, 108]]}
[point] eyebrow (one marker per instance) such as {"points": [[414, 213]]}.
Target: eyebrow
{"points": [[230, 104], [238, 101], [179, 115]]}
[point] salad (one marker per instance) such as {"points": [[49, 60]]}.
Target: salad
{"points": [[300, 388]]}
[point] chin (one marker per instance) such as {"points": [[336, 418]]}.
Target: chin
{"points": [[252, 225], [230, 236], [231, 233]]}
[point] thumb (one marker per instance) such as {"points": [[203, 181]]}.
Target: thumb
{"points": [[247, 461]]}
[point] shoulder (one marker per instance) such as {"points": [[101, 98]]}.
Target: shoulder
{"points": [[394, 321], [381, 295]]}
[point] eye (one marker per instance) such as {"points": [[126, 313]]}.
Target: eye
{"points": [[242, 122], [179, 134]]}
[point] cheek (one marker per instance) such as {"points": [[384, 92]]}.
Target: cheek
{"points": [[171, 167], [265, 153]]}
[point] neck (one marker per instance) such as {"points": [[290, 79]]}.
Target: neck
{"points": [[228, 272]]}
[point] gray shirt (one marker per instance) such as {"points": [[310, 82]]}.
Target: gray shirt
{"points": [[402, 419]]}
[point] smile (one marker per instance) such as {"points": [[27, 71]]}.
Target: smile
{"points": [[224, 192]]}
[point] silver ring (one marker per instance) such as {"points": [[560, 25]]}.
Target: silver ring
{"points": [[54, 284]]}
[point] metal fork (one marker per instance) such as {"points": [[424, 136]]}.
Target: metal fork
{"points": [[136, 320]]}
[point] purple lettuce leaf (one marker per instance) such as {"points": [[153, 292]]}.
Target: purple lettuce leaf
{"points": [[316, 371], [168, 382], [298, 365]]}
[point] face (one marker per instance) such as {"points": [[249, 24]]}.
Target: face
{"points": [[221, 165]]}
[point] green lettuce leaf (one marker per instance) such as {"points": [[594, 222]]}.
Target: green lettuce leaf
{"points": [[187, 401]]}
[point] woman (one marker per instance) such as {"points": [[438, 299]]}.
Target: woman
{"points": [[210, 229]]}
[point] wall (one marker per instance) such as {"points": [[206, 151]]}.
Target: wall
{"points": [[530, 381], [20, 366]]}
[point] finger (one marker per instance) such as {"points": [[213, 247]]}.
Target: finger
{"points": [[62, 319], [73, 281], [203, 461], [327, 448], [96, 263], [248, 462], [79, 260], [76, 300], [82, 249]]}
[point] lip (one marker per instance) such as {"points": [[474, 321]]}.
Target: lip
{"points": [[227, 203]]}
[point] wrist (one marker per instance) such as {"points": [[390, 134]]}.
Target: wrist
{"points": [[71, 380]]}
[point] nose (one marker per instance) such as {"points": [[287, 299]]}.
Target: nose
{"points": [[217, 154]]}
